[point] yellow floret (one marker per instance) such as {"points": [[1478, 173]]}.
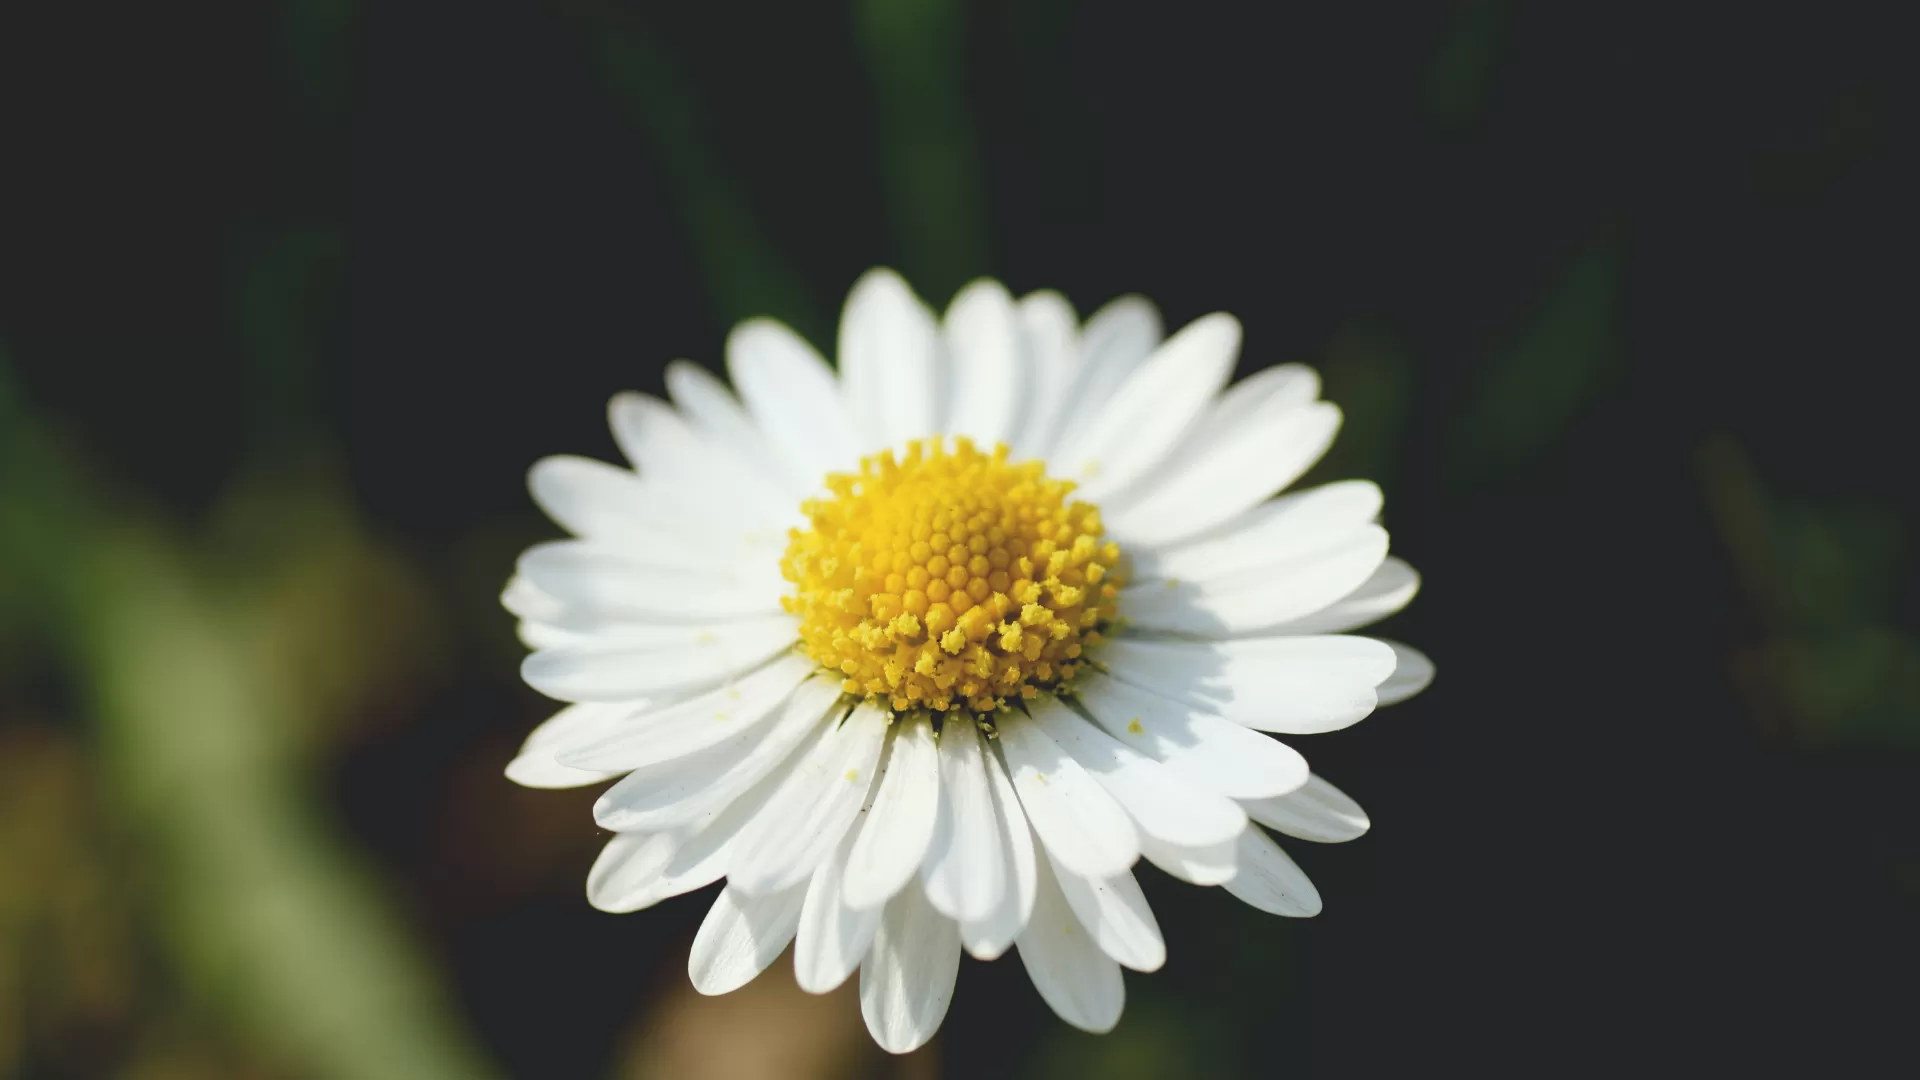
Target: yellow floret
{"points": [[949, 578]]}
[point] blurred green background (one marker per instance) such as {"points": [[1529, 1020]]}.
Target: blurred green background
{"points": [[292, 292]]}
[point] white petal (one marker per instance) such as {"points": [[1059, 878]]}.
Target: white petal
{"points": [[600, 578], [538, 769], [1116, 916], [1269, 880], [530, 602], [1050, 352], [793, 398], [1253, 401], [718, 416], [1318, 811], [1152, 409], [966, 872], [1239, 467], [898, 831], [1073, 815], [1294, 685], [1078, 981], [535, 766], [1259, 399], [1257, 600], [1411, 673], [628, 866], [1277, 530], [598, 501], [888, 357], [833, 937], [1208, 750], [740, 937], [985, 373], [586, 625], [1391, 588], [679, 793], [1210, 865], [1159, 801], [811, 812], [539, 635], [708, 404], [987, 938], [906, 981], [1258, 394], [1116, 340], [704, 477], [692, 725], [617, 671], [698, 860]]}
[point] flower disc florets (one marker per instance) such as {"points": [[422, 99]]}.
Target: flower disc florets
{"points": [[949, 580]]}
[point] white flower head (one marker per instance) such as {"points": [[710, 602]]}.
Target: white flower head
{"points": [[922, 657]]}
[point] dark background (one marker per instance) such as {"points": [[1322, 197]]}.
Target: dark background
{"points": [[1616, 298]]}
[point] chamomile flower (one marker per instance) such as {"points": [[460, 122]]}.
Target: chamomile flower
{"points": [[923, 656]]}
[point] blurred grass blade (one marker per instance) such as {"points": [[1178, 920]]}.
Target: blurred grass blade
{"points": [[202, 679], [1531, 390], [269, 916], [1461, 72], [1368, 371], [1830, 662], [744, 275], [915, 53]]}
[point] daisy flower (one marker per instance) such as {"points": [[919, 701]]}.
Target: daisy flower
{"points": [[921, 657]]}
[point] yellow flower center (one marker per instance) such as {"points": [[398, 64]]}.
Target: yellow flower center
{"points": [[949, 580]]}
